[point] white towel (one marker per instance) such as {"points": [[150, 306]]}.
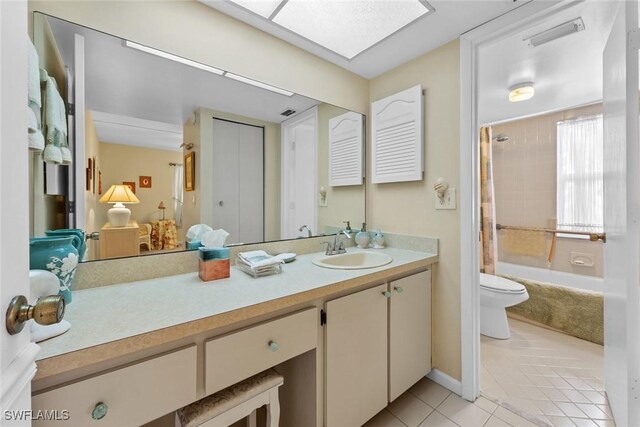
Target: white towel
{"points": [[57, 150], [32, 120], [34, 77], [259, 261], [36, 141]]}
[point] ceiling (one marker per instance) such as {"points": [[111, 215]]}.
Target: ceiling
{"points": [[130, 86], [450, 20], [567, 72]]}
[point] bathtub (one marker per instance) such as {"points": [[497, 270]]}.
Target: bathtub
{"points": [[577, 281]]}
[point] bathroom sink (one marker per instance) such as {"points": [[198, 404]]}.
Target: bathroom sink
{"points": [[353, 260]]}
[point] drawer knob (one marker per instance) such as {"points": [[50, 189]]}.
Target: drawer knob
{"points": [[99, 411], [273, 345], [387, 294], [398, 289]]}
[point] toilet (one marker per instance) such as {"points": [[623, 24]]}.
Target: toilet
{"points": [[496, 294]]}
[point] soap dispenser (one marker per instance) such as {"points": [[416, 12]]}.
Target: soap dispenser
{"points": [[378, 240], [362, 238]]}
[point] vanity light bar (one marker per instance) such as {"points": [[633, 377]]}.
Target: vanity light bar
{"points": [[204, 67], [171, 57], [258, 84]]}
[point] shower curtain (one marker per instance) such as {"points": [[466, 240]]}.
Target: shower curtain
{"points": [[178, 176], [488, 242]]}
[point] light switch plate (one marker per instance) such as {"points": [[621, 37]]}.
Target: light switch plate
{"points": [[448, 201]]}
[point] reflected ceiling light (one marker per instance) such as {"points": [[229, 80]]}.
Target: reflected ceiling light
{"points": [[264, 8], [521, 92], [556, 32], [347, 28], [258, 84], [171, 57]]}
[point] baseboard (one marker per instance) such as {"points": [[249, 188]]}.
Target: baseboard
{"points": [[445, 381]]}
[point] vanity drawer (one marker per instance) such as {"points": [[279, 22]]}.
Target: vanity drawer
{"points": [[133, 395], [239, 355]]}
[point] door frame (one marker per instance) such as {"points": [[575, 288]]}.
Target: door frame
{"points": [[285, 130], [470, 44], [17, 352]]}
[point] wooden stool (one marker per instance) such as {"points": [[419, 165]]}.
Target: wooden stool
{"points": [[241, 400]]}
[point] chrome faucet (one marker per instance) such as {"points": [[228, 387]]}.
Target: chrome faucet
{"points": [[309, 233], [337, 246]]}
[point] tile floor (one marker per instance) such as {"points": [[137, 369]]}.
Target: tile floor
{"points": [[537, 378], [552, 378], [428, 404]]}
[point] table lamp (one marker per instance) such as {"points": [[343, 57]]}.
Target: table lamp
{"points": [[163, 207], [119, 194]]}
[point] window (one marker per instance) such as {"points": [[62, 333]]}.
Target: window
{"points": [[580, 186]]}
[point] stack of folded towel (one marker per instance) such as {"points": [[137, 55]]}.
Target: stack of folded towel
{"points": [[259, 263], [36, 139]]}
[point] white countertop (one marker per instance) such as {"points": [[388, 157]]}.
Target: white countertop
{"points": [[109, 313]]}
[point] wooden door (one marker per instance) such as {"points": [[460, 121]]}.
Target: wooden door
{"points": [[356, 357], [409, 332]]}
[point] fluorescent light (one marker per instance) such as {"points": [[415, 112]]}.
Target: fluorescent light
{"points": [[521, 92], [556, 32], [264, 8], [171, 57], [347, 28], [259, 84]]}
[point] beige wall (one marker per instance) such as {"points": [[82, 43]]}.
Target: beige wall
{"points": [[524, 170], [193, 30], [409, 208], [343, 203], [120, 163]]}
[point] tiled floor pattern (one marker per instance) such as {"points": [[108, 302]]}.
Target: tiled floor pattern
{"points": [[552, 378], [428, 404]]}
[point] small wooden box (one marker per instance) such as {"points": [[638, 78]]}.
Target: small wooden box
{"points": [[214, 269]]}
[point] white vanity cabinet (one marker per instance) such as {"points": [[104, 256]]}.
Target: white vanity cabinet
{"points": [[128, 396], [377, 344]]}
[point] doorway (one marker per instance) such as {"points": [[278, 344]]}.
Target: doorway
{"points": [[299, 175], [522, 20]]}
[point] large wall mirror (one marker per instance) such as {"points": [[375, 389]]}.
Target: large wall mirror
{"points": [[193, 144]]}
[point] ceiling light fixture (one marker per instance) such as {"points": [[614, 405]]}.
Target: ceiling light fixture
{"points": [[204, 67], [346, 28], [521, 92], [258, 84], [171, 57], [556, 32]]}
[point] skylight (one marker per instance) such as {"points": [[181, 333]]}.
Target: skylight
{"points": [[346, 27]]}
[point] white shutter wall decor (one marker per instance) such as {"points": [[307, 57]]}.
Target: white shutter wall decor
{"points": [[345, 150], [397, 137]]}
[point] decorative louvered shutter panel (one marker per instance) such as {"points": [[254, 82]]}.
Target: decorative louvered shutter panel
{"points": [[345, 150], [397, 137]]}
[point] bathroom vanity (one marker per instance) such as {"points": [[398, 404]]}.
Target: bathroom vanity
{"points": [[346, 341]]}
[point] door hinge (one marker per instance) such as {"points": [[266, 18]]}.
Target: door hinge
{"points": [[71, 207], [71, 109], [323, 317], [633, 38]]}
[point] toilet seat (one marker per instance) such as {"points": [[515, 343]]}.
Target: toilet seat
{"points": [[500, 284]]}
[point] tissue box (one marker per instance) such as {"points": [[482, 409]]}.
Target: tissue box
{"points": [[194, 244], [214, 263]]}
